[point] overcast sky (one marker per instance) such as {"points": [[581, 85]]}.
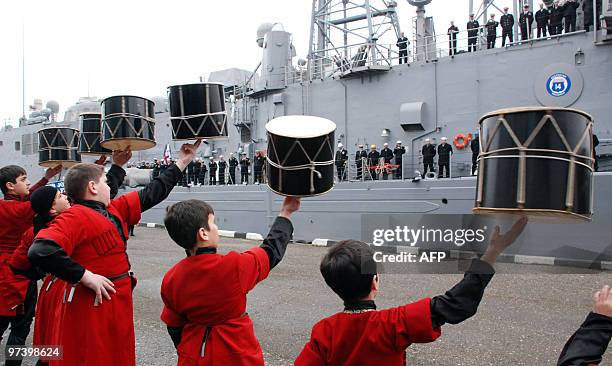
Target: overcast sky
{"points": [[140, 47]]}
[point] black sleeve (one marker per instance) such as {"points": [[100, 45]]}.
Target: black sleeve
{"points": [[114, 178], [159, 189], [461, 302], [276, 242], [51, 258], [175, 335], [589, 343], [32, 273]]}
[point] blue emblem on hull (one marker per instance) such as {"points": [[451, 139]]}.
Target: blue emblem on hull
{"points": [[558, 85]]}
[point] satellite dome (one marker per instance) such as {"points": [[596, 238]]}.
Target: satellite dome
{"points": [[302, 62], [261, 32], [53, 106], [418, 2]]}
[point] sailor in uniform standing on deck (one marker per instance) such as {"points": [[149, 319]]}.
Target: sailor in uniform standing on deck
{"points": [[212, 168], [398, 152], [491, 32], [428, 151], [472, 27], [444, 153], [340, 160], [387, 155], [452, 38], [507, 22], [526, 22], [222, 164], [542, 16], [233, 163], [360, 155], [245, 163], [402, 45], [373, 159]]}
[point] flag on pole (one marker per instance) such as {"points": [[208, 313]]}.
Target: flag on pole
{"points": [[167, 154]]}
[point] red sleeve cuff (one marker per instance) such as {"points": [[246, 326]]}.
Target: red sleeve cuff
{"points": [[417, 316]]}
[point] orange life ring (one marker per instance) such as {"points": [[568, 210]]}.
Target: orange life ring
{"points": [[463, 143]]}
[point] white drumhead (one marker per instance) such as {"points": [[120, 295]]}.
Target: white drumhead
{"points": [[300, 126]]}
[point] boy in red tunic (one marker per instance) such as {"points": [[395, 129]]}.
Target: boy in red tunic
{"points": [[17, 294], [47, 202], [362, 335], [207, 317], [86, 247], [587, 346]]}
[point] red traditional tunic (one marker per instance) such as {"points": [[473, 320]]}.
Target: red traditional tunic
{"points": [[103, 334], [16, 217], [207, 294], [49, 296], [369, 337]]}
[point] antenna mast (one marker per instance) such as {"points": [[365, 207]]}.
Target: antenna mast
{"points": [[340, 27]]}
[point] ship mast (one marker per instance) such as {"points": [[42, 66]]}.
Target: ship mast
{"points": [[340, 27]]}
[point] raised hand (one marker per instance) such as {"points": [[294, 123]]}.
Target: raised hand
{"points": [[52, 172], [187, 154], [499, 242], [290, 205], [101, 160], [602, 301], [98, 284], [121, 157]]}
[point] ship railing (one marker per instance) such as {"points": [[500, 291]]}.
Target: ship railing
{"points": [[336, 62], [411, 168]]}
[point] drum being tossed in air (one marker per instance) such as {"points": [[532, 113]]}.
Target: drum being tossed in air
{"points": [[197, 111], [91, 135], [128, 121], [58, 145], [300, 160], [536, 161]]}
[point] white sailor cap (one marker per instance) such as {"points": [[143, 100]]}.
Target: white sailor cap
{"points": [[385, 144], [444, 139], [340, 144], [427, 140], [398, 142]]}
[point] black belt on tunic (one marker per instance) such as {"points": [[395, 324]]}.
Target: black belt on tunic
{"points": [[121, 276]]}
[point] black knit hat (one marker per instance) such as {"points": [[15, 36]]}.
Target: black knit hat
{"points": [[42, 199]]}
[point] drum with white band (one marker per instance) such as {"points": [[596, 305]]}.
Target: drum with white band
{"points": [[197, 111], [536, 161], [91, 135], [128, 121], [58, 145], [300, 160]]}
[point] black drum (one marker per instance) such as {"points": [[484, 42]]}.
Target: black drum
{"points": [[300, 158], [128, 121], [536, 161], [89, 140], [197, 111], [58, 145]]}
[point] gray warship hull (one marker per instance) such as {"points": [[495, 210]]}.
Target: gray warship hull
{"points": [[378, 103]]}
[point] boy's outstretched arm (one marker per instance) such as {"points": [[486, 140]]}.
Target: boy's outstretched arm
{"points": [[461, 302], [589, 343], [160, 187], [281, 231]]}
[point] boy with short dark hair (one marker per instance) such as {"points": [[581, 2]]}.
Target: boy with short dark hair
{"points": [[16, 217], [362, 335], [206, 317]]}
